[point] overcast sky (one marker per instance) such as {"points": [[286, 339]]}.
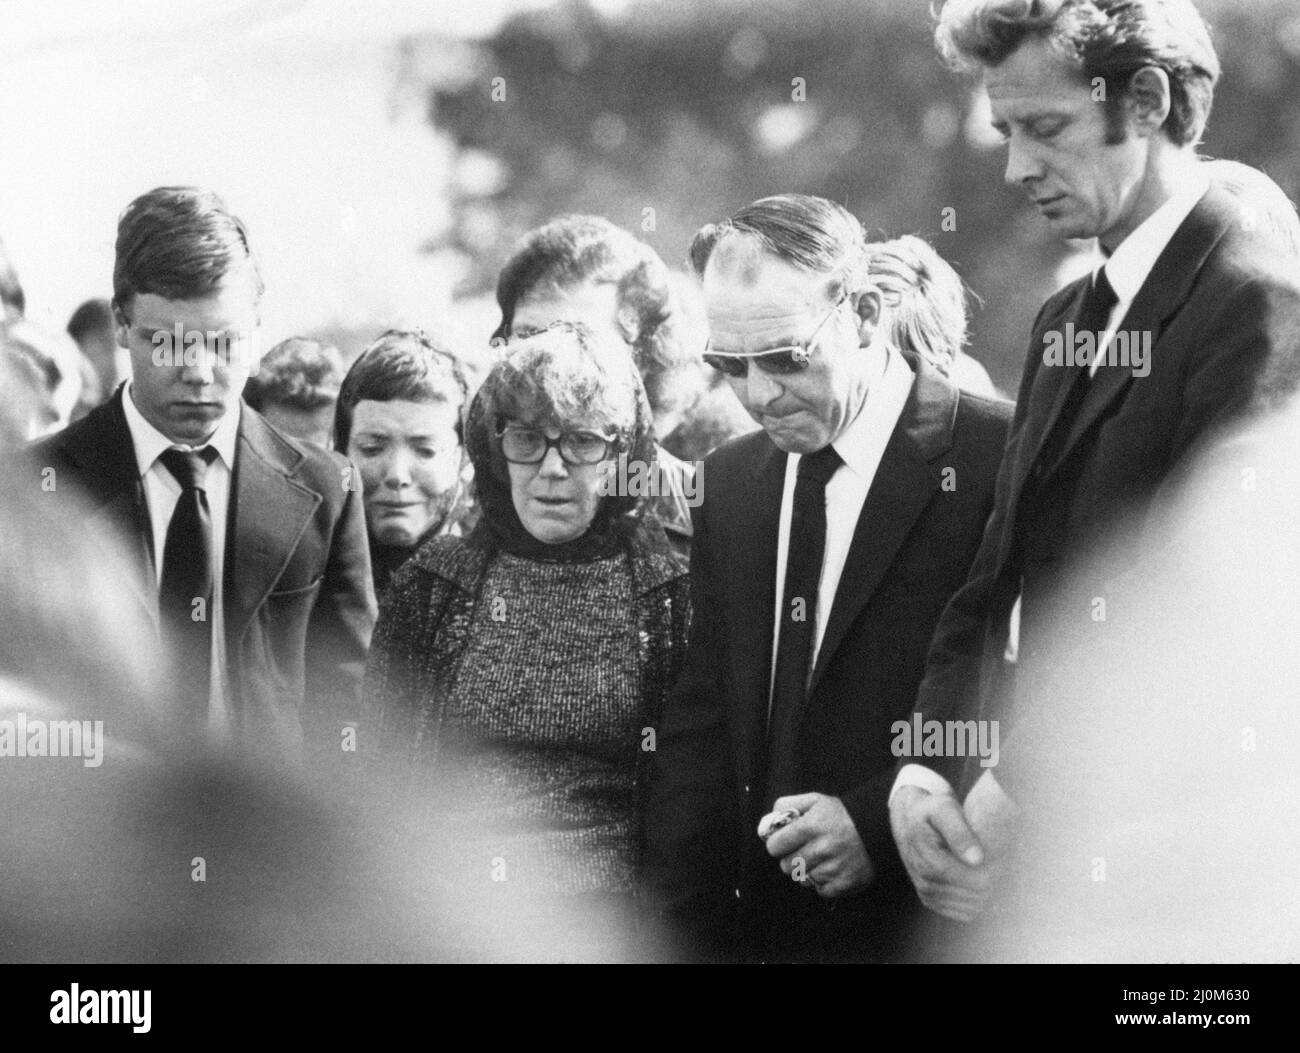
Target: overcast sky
{"points": [[294, 110]]}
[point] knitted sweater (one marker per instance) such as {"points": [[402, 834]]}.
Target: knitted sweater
{"points": [[516, 695]]}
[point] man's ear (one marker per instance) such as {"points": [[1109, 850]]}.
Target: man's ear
{"points": [[121, 327], [1148, 100], [868, 306]]}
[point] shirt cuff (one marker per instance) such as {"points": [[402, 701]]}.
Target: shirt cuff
{"points": [[923, 777]]}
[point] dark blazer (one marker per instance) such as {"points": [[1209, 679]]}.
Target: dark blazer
{"points": [[1224, 317], [297, 595], [911, 550]]}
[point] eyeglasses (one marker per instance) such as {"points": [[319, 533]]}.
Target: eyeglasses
{"points": [[779, 361], [530, 446]]}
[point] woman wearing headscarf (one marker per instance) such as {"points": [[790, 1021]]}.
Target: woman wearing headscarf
{"points": [[517, 675]]}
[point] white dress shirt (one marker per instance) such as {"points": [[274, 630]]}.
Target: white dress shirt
{"points": [[860, 446], [1127, 269], [1132, 261], [162, 491]]}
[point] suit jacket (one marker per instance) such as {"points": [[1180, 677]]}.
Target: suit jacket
{"points": [[1223, 314], [297, 596], [911, 549]]}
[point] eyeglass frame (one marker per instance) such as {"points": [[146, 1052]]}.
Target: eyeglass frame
{"points": [[607, 454], [800, 354]]}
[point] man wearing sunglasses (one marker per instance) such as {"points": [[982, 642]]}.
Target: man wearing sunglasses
{"points": [[826, 547]]}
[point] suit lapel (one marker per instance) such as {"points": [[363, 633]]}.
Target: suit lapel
{"points": [[752, 581], [119, 517], [1055, 382], [904, 484], [1161, 296], [268, 512]]}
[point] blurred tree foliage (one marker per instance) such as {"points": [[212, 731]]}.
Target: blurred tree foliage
{"points": [[666, 114]]}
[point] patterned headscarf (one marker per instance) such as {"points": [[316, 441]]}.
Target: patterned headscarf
{"points": [[560, 376]]}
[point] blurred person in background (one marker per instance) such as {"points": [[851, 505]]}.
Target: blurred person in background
{"points": [[60, 372], [585, 269], [400, 420], [54, 377], [13, 301], [925, 309], [517, 674], [1264, 204], [92, 327], [24, 401], [1212, 324], [296, 386], [248, 553]]}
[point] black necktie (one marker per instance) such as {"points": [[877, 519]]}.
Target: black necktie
{"points": [[798, 617], [185, 595], [1092, 317]]}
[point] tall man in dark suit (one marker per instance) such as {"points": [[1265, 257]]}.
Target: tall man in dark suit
{"points": [[245, 548], [1197, 321], [825, 548]]}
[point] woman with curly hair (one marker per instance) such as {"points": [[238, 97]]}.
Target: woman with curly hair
{"points": [[517, 674]]}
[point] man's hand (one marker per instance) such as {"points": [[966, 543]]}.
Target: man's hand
{"points": [[822, 844], [942, 855]]}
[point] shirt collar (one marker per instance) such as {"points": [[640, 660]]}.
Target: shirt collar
{"points": [[1131, 263], [149, 442], [856, 443]]}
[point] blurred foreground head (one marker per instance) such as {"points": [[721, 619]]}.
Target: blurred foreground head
{"points": [[1264, 205], [1154, 762]]}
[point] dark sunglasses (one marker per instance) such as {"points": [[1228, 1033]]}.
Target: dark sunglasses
{"points": [[779, 361]]}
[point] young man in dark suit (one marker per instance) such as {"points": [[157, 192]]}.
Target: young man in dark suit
{"points": [[1190, 322], [825, 548], [245, 548]]}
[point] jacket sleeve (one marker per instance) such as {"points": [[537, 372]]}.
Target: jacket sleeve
{"points": [[951, 685], [338, 637], [687, 875], [868, 802]]}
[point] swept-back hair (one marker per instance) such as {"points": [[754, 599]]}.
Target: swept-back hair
{"points": [[1110, 39]]}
